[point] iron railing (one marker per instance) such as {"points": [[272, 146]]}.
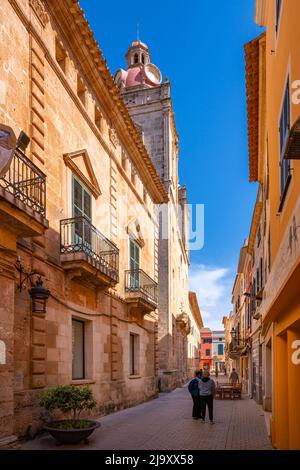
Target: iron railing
{"points": [[26, 182], [79, 235], [138, 281]]}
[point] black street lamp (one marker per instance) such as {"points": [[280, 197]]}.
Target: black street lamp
{"points": [[39, 297]]}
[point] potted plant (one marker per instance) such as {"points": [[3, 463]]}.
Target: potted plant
{"points": [[70, 400]]}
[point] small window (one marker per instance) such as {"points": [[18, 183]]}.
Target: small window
{"points": [[124, 161], [278, 11], [60, 55], [259, 236], [133, 354], [220, 349], [143, 59], [98, 118], [136, 58], [133, 176], [207, 352], [78, 350], [81, 90]]}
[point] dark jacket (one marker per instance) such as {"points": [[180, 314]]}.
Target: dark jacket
{"points": [[194, 387]]}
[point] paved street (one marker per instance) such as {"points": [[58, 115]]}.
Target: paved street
{"points": [[166, 424]]}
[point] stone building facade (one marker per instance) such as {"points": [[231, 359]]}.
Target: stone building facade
{"points": [[149, 103], [194, 339], [78, 209]]}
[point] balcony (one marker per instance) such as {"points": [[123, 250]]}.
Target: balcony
{"points": [[23, 198], [86, 254], [140, 291], [237, 348]]}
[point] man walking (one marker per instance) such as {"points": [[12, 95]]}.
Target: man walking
{"points": [[234, 378], [207, 390], [194, 391]]}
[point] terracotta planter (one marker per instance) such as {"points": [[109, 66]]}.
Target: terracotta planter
{"points": [[71, 436]]}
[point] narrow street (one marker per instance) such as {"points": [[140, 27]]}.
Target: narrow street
{"points": [[166, 424]]}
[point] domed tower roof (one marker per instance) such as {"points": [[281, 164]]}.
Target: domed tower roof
{"points": [[140, 70], [138, 53]]}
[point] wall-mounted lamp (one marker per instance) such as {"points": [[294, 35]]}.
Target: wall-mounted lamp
{"points": [[23, 141], [39, 295]]}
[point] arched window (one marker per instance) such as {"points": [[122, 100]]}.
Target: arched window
{"points": [[143, 59], [136, 58]]}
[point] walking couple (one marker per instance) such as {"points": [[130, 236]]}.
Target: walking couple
{"points": [[202, 389]]}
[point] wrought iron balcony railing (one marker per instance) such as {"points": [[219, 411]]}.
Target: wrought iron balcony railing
{"points": [[26, 182], [137, 281], [78, 235]]}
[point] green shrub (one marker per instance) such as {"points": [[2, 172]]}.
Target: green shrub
{"points": [[68, 399]]}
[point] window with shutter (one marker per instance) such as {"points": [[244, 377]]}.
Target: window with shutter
{"points": [[285, 174]]}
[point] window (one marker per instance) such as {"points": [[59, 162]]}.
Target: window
{"points": [[136, 58], [285, 174], [143, 59], [259, 236], [133, 354], [144, 195], [134, 265], [207, 352], [133, 176], [82, 200], [261, 268], [98, 118], [269, 251], [278, 11], [60, 55], [81, 207], [124, 161], [78, 350], [81, 90], [220, 349], [207, 340]]}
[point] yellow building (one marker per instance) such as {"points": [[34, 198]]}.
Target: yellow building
{"points": [[273, 71]]}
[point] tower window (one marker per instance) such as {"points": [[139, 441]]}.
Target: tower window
{"points": [[136, 58], [143, 59]]}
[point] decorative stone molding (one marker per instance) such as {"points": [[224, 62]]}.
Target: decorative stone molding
{"points": [[134, 232], [113, 137], [40, 11], [91, 183], [127, 128]]}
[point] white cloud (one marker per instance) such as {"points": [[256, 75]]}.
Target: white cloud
{"points": [[213, 287]]}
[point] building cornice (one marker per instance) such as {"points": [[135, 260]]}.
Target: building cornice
{"points": [[72, 21], [255, 221], [195, 310], [260, 12]]}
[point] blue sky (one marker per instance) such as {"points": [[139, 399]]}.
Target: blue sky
{"points": [[198, 44]]}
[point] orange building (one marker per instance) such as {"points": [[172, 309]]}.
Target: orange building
{"points": [[206, 349], [273, 73]]}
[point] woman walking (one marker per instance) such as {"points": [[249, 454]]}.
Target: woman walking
{"points": [[194, 391], [207, 390]]}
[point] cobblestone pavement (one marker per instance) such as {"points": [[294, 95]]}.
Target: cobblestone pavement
{"points": [[166, 424]]}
